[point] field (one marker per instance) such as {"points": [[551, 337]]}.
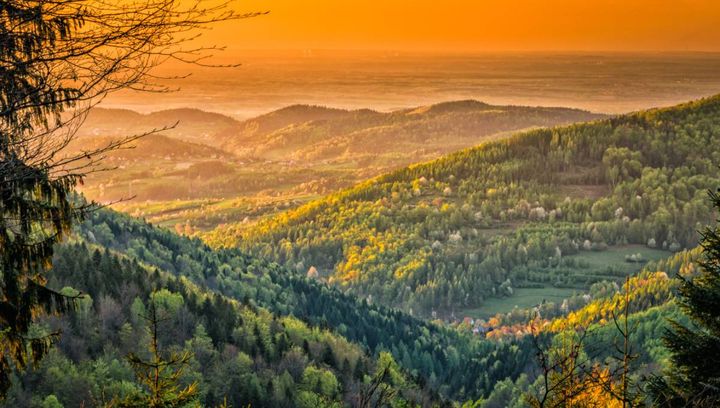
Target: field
{"points": [[523, 298], [594, 263], [615, 257]]}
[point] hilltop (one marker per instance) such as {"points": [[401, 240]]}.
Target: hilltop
{"points": [[192, 125]]}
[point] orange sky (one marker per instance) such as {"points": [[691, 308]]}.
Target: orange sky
{"points": [[477, 25]]}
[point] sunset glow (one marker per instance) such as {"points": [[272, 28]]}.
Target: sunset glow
{"points": [[487, 25], [354, 204]]}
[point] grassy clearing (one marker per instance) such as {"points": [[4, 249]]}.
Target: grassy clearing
{"points": [[523, 298], [615, 257], [595, 263]]}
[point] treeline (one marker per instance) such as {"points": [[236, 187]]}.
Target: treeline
{"points": [[451, 233]]}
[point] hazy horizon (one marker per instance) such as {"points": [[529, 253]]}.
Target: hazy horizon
{"points": [[384, 81]]}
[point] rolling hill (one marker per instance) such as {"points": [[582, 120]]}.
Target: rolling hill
{"points": [[577, 208], [312, 133], [192, 125], [211, 169], [552, 208]]}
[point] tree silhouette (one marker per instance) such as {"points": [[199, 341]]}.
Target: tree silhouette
{"points": [[58, 59]]}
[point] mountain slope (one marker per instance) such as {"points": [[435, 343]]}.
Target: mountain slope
{"points": [[192, 125], [316, 133], [241, 354], [282, 158], [651, 304], [254, 131], [456, 365], [550, 208], [151, 148], [156, 165]]}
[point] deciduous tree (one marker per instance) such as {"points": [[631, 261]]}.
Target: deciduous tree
{"points": [[694, 376]]}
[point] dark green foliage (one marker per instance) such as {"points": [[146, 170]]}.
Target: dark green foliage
{"points": [[35, 208], [694, 376], [456, 365], [250, 357], [57, 60]]}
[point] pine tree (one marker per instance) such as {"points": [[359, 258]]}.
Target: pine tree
{"points": [[159, 375], [694, 378], [328, 357], [35, 209], [57, 60]]}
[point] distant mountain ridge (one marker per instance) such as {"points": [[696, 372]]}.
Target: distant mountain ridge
{"points": [[287, 155], [318, 133], [193, 125], [322, 126]]}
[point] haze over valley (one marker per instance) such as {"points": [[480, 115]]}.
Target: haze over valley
{"points": [[601, 82], [287, 127], [212, 169]]}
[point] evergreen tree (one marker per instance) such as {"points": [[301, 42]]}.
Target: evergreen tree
{"points": [[694, 378], [57, 60], [160, 375], [328, 357], [35, 208]]}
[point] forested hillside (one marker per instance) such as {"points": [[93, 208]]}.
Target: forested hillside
{"points": [[550, 208], [119, 261], [647, 302], [209, 169], [268, 334], [434, 352], [242, 355], [261, 335]]}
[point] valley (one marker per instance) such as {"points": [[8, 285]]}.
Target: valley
{"points": [[369, 205], [445, 236], [441, 271]]}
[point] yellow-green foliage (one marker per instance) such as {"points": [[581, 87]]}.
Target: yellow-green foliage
{"points": [[448, 234]]}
